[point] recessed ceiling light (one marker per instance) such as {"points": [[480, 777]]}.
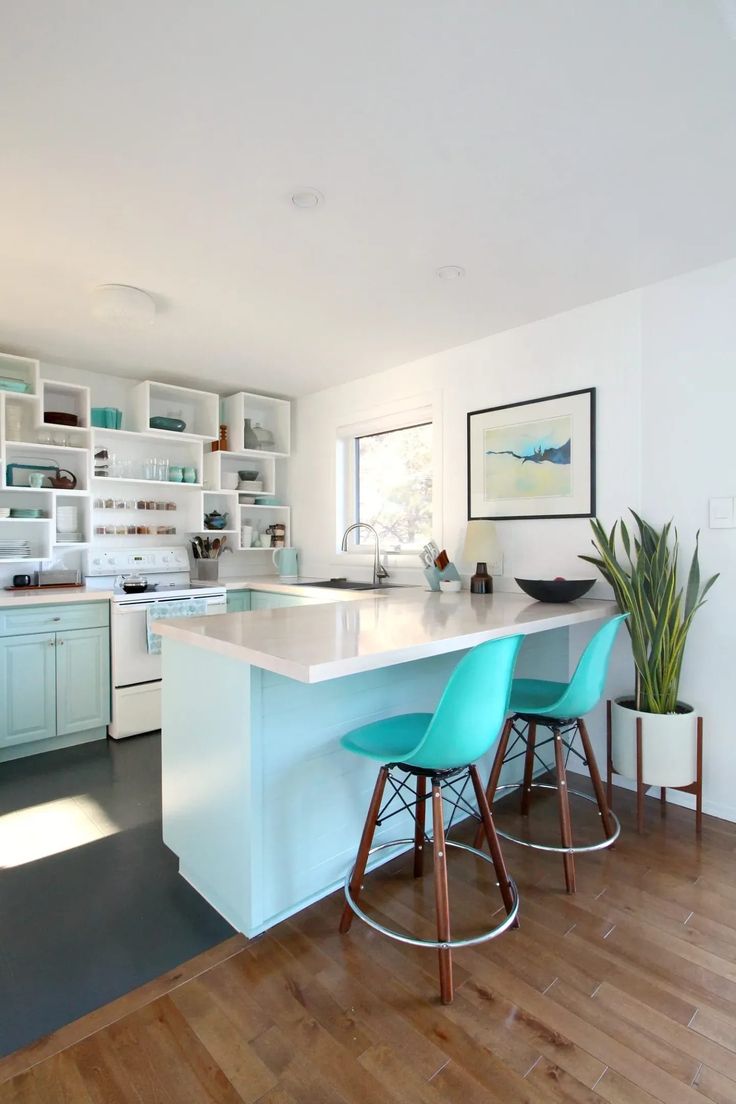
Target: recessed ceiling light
{"points": [[306, 199], [451, 272], [122, 305]]}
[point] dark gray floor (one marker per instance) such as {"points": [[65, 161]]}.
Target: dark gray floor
{"points": [[82, 927]]}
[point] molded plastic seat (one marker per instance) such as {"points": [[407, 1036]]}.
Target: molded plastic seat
{"points": [[466, 723], [391, 740], [535, 696], [442, 746], [582, 693], [558, 706]]}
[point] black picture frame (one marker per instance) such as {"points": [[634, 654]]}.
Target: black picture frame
{"points": [[590, 507]]}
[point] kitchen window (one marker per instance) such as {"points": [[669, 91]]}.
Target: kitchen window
{"points": [[393, 487], [389, 476]]}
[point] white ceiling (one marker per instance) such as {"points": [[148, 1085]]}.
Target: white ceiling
{"points": [[560, 150]]}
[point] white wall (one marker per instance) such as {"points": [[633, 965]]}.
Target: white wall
{"points": [[660, 358]]}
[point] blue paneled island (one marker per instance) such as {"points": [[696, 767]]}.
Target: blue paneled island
{"points": [[260, 803]]}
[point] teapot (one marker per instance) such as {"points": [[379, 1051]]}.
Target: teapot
{"points": [[64, 480]]}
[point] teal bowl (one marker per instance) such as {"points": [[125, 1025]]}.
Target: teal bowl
{"points": [[173, 425]]}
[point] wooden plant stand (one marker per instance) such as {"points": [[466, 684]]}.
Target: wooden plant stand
{"points": [[695, 787]]}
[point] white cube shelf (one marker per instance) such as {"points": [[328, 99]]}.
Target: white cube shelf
{"points": [[200, 410], [66, 398], [273, 415], [259, 518], [20, 368], [229, 464]]}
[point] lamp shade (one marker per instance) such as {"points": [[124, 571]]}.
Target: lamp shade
{"points": [[481, 545]]}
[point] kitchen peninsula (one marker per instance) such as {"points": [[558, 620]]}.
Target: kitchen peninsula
{"points": [[260, 804]]}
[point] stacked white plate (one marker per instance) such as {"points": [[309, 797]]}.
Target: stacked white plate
{"points": [[14, 549], [67, 519]]}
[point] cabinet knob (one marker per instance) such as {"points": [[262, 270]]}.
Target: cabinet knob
{"points": [[59, 641], [56, 619], [52, 643]]}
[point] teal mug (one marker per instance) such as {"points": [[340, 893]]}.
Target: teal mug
{"points": [[287, 562]]}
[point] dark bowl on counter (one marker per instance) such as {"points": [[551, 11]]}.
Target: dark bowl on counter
{"points": [[555, 590]]}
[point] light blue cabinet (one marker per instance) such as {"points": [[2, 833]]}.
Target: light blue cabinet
{"points": [[54, 676], [238, 601], [82, 680], [27, 688]]}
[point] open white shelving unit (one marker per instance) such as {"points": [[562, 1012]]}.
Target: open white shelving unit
{"points": [[25, 370], [260, 411], [66, 398], [28, 443], [199, 410], [130, 503]]}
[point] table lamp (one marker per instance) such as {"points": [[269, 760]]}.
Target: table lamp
{"points": [[481, 548]]}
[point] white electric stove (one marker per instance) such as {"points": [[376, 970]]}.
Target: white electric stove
{"points": [[136, 672]]}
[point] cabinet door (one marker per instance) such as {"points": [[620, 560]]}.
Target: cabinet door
{"points": [[27, 688], [82, 680], [238, 601], [265, 600]]}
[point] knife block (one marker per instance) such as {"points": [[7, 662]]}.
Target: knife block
{"points": [[433, 575]]}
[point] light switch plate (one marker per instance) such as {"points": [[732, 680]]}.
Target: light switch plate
{"points": [[496, 566], [721, 513]]}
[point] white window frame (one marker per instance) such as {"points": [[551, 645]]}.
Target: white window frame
{"points": [[399, 414]]}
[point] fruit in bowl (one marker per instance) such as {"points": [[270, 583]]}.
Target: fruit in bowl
{"points": [[555, 590]]}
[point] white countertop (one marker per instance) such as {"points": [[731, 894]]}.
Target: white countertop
{"points": [[343, 633], [39, 596], [271, 584]]}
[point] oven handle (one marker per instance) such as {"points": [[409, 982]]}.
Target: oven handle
{"points": [[137, 607]]}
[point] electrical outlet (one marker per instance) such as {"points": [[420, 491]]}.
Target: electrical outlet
{"points": [[496, 566]]}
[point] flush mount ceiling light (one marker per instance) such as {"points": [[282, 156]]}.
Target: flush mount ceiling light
{"points": [[306, 199], [122, 305], [450, 272]]}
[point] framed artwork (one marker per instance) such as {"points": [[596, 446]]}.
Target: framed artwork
{"points": [[533, 459]]}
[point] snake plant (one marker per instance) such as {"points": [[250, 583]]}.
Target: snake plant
{"points": [[661, 613]]}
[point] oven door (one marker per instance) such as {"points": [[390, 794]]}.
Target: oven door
{"points": [[131, 662]]}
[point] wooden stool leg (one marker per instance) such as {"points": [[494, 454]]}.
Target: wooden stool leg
{"points": [[369, 828], [595, 778], [441, 894], [663, 800], [489, 829], [565, 823], [495, 774], [609, 755], [419, 814], [526, 789], [639, 777], [699, 780]]}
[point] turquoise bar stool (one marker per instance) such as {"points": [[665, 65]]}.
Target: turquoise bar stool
{"points": [[558, 707], [443, 748]]}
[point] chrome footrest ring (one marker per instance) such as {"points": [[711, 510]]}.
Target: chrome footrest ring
{"points": [[449, 944], [577, 850]]}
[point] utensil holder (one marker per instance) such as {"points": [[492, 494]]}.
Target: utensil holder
{"points": [[208, 570], [433, 575]]}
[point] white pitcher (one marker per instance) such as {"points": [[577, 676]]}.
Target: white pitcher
{"points": [[287, 562]]}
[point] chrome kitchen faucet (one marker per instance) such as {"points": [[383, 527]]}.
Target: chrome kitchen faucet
{"points": [[379, 571]]}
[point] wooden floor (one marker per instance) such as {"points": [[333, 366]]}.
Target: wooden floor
{"points": [[624, 993]]}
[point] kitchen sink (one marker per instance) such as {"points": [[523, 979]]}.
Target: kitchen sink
{"points": [[353, 584]]}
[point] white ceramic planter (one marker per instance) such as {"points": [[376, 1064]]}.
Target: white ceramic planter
{"points": [[669, 745]]}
